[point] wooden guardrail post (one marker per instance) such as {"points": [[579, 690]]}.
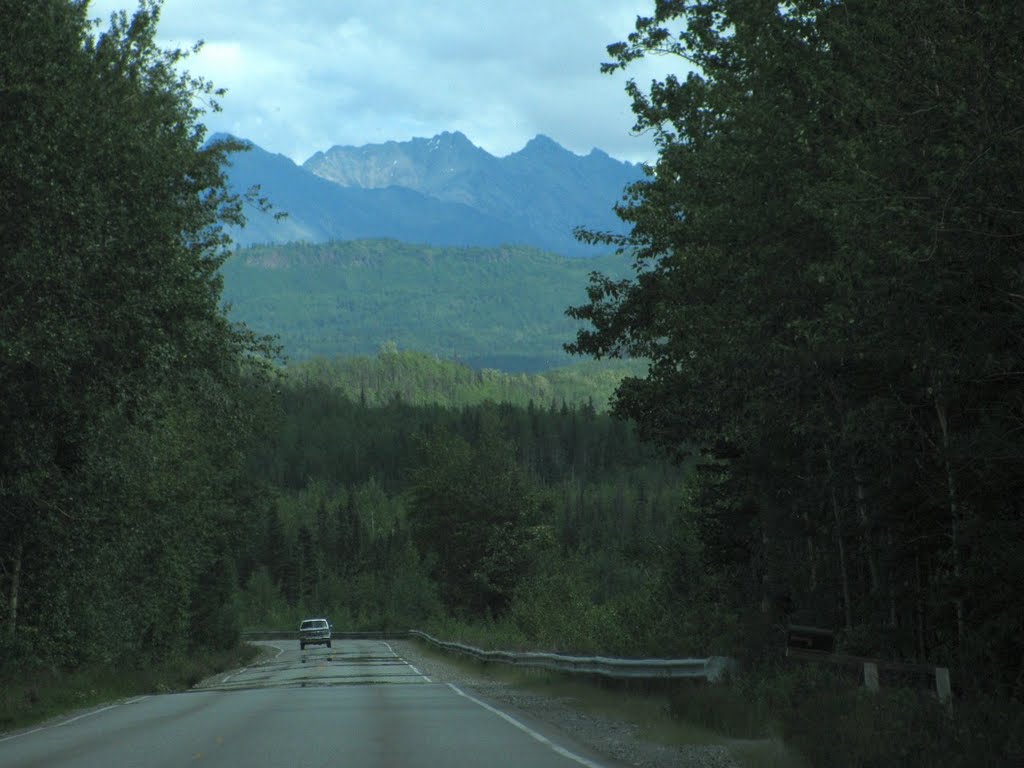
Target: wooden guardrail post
{"points": [[871, 676], [942, 686]]}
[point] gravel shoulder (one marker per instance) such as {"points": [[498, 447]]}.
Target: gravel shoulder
{"points": [[618, 739]]}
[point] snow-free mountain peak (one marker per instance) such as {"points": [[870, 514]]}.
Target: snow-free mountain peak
{"points": [[535, 196]]}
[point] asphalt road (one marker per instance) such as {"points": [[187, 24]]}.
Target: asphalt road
{"points": [[355, 705]]}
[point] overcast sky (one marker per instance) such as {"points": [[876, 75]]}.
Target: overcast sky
{"points": [[305, 76]]}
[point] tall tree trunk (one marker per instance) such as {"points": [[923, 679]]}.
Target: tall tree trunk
{"points": [[954, 515], [765, 602], [919, 610], [890, 589], [812, 560], [867, 534], [12, 603], [844, 577]]}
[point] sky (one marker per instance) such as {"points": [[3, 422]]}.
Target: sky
{"points": [[303, 77]]}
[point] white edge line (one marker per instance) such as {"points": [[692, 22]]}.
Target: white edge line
{"points": [[417, 671], [526, 729], [87, 714], [280, 650], [19, 735], [62, 723], [410, 666]]}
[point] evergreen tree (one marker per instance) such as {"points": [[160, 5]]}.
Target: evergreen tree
{"points": [[827, 285]]}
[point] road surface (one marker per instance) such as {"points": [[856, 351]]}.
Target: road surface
{"points": [[357, 705]]}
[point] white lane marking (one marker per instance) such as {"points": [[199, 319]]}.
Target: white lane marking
{"points": [[19, 735], [280, 650], [528, 730], [410, 666], [74, 719], [87, 714], [417, 671]]}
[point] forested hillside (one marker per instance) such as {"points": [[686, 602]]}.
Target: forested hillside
{"points": [[498, 308]]}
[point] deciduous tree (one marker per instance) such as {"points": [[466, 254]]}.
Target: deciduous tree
{"points": [[827, 282]]}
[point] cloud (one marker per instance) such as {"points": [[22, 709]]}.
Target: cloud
{"points": [[357, 72]]}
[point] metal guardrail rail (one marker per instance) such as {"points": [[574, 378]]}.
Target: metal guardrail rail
{"points": [[710, 669]]}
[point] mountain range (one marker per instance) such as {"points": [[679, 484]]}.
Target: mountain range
{"points": [[442, 191]]}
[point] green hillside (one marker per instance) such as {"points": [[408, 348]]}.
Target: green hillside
{"points": [[501, 308]]}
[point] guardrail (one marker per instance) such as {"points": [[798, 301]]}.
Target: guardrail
{"points": [[710, 669]]}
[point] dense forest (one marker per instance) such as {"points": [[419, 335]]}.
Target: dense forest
{"points": [[828, 286], [128, 398], [829, 290], [398, 515], [826, 290]]}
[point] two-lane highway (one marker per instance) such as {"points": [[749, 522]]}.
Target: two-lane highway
{"points": [[356, 704]]}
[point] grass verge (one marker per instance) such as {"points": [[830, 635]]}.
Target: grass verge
{"points": [[647, 706], [792, 715], [32, 696]]}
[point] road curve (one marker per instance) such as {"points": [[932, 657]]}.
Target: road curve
{"points": [[357, 704]]}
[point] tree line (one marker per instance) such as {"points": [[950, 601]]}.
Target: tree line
{"points": [[419, 378], [128, 397], [828, 285]]}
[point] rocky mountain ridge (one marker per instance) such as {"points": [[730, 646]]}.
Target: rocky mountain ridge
{"points": [[441, 191]]}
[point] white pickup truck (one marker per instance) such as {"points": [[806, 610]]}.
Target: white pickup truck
{"points": [[314, 632]]}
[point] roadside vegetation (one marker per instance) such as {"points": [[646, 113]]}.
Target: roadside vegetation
{"points": [[128, 398], [30, 694]]}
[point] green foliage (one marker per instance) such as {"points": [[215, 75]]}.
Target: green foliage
{"points": [[835, 724], [557, 611], [474, 514], [827, 284], [418, 378], [535, 497], [500, 308], [359, 569], [828, 720], [33, 694], [128, 396]]}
